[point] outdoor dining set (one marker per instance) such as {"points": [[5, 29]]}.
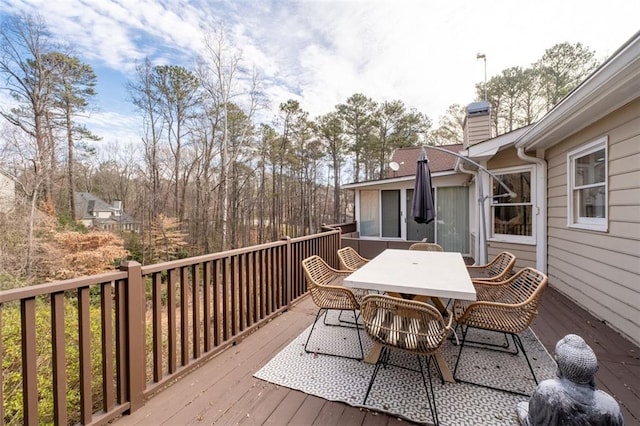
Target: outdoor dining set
{"points": [[414, 300]]}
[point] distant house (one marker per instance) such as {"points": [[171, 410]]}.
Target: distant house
{"points": [[93, 212], [7, 192]]}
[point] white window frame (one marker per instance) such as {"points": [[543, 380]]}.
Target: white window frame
{"points": [[600, 224], [508, 238]]}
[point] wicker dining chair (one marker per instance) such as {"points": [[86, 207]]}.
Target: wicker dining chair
{"points": [[350, 259], [410, 326], [325, 285], [426, 247], [499, 269], [506, 307]]}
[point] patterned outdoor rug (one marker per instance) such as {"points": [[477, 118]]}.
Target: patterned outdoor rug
{"points": [[400, 392]]}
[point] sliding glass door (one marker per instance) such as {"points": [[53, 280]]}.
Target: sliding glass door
{"points": [[391, 214], [453, 218], [418, 231], [382, 213]]}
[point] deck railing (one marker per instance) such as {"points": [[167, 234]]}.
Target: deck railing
{"points": [[152, 324]]}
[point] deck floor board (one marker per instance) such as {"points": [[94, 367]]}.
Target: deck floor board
{"points": [[224, 392]]}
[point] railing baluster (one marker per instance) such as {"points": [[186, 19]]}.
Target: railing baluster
{"points": [[156, 307], [59, 359], [122, 363], [207, 283], [106, 310], [235, 306], [225, 299], [243, 304], [195, 290], [84, 346], [217, 301], [29, 365], [262, 282], [253, 293], [171, 321], [270, 264], [184, 316]]}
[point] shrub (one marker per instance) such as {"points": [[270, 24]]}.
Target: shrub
{"points": [[12, 360]]}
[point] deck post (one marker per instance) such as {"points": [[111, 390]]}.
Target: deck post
{"points": [[287, 271], [135, 336]]}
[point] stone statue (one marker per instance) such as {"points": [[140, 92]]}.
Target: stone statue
{"points": [[571, 398]]}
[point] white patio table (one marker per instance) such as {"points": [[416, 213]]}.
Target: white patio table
{"points": [[421, 274]]}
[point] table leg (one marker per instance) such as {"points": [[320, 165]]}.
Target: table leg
{"points": [[374, 354], [444, 368], [439, 305]]}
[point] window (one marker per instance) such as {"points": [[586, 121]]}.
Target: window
{"points": [[512, 218], [369, 213], [587, 186]]}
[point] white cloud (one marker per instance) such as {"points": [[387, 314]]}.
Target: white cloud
{"points": [[113, 126], [322, 52]]}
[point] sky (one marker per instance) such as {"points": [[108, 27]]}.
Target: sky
{"points": [[321, 52]]}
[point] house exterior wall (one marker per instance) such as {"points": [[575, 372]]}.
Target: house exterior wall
{"points": [[600, 270], [505, 158], [525, 253]]}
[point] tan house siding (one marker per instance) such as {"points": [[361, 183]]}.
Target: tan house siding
{"points": [[600, 270], [506, 158], [525, 254]]}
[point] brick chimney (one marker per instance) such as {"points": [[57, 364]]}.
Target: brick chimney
{"points": [[477, 124]]}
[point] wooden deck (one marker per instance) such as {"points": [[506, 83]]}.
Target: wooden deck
{"points": [[224, 391]]}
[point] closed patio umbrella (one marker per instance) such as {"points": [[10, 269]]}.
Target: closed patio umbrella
{"points": [[423, 210]]}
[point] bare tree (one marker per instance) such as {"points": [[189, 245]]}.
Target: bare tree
{"points": [[144, 97], [331, 134], [451, 127], [24, 44], [225, 83], [74, 88], [178, 96], [357, 114]]}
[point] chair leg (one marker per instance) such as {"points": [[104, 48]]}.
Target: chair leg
{"points": [[381, 361], [431, 396], [517, 342], [324, 311], [355, 322], [489, 346], [312, 328]]}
